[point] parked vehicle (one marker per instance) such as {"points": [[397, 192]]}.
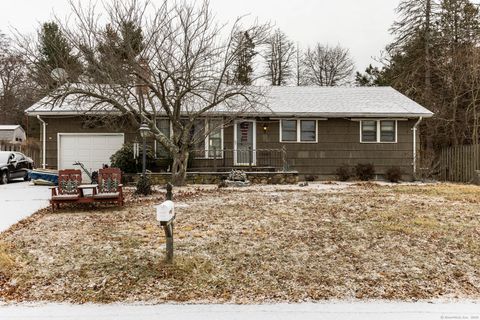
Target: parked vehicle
{"points": [[14, 165]]}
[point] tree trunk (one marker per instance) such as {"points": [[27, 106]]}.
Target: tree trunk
{"points": [[179, 168], [428, 70]]}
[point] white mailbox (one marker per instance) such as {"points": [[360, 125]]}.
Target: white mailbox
{"points": [[165, 211]]}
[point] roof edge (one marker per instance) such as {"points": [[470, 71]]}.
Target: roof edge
{"points": [[259, 114]]}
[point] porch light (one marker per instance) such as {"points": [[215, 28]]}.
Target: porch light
{"points": [[144, 130], [265, 128]]}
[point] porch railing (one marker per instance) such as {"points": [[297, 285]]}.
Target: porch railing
{"points": [[250, 158]]}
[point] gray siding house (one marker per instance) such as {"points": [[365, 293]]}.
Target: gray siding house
{"points": [[317, 129]]}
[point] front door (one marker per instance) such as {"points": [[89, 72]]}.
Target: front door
{"points": [[245, 142]]}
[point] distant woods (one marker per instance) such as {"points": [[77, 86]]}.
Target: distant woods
{"points": [[435, 60]]}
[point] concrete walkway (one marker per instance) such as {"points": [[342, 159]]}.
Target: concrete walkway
{"points": [[321, 311], [19, 199]]}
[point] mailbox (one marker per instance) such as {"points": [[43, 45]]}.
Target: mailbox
{"points": [[165, 212], [166, 215]]}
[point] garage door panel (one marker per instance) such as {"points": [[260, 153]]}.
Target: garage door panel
{"points": [[93, 150]]}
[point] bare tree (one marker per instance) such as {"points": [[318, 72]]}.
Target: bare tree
{"points": [[299, 67], [12, 83], [168, 61], [279, 55], [327, 66]]}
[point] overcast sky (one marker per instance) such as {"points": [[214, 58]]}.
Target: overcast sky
{"points": [[360, 25]]}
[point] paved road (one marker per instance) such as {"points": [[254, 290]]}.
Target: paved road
{"points": [[307, 311], [19, 200]]}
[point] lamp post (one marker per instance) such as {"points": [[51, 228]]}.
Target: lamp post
{"points": [[144, 130]]}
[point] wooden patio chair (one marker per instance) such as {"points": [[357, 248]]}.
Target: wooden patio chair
{"points": [[110, 188], [67, 190]]}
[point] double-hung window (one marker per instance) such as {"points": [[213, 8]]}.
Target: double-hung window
{"points": [[214, 141], [208, 134], [164, 126], [378, 131], [289, 130], [298, 131]]}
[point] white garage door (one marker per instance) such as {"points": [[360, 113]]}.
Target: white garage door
{"points": [[93, 150]]}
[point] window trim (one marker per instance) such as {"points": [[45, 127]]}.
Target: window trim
{"points": [[207, 140], [299, 130], [379, 134]]}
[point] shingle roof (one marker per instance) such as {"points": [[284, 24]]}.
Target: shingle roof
{"points": [[340, 101], [302, 101]]}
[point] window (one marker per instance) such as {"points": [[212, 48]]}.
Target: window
{"points": [[164, 126], [378, 131], [387, 131], [369, 131], [202, 146], [298, 131], [308, 130], [214, 145], [289, 130], [208, 134]]}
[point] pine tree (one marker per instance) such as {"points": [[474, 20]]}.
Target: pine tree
{"points": [[119, 47], [416, 20], [373, 77], [243, 69], [54, 52]]}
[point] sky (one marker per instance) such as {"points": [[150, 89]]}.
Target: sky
{"points": [[359, 25]]}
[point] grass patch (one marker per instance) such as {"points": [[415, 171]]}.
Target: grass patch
{"points": [[7, 264], [258, 244], [451, 192]]}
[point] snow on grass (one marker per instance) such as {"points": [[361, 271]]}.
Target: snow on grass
{"points": [[257, 244]]}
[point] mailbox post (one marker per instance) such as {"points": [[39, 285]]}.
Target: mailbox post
{"points": [[166, 215]]}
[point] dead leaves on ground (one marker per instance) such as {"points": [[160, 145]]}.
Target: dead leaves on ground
{"points": [[256, 244]]}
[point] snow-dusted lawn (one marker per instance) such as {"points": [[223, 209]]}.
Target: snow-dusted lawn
{"points": [[19, 200], [255, 245]]}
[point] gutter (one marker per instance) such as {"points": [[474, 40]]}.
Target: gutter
{"points": [[271, 114], [44, 141], [414, 129]]}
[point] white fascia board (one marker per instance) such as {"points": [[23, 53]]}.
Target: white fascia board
{"points": [[318, 116], [71, 113]]}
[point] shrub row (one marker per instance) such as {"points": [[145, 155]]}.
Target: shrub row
{"points": [[366, 172]]}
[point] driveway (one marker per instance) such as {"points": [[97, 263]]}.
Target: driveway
{"points": [[20, 199]]}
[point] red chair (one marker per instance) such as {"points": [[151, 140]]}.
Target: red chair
{"points": [[67, 190], [110, 188]]}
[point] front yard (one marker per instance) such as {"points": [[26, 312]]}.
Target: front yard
{"points": [[257, 244]]}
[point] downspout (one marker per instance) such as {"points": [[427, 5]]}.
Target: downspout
{"points": [[44, 141], [414, 129]]}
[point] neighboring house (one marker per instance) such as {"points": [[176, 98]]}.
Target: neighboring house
{"points": [[320, 129], [11, 137]]}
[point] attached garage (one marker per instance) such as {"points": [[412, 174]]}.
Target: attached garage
{"points": [[91, 149]]}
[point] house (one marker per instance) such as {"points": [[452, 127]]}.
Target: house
{"points": [[318, 128], [11, 137]]}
